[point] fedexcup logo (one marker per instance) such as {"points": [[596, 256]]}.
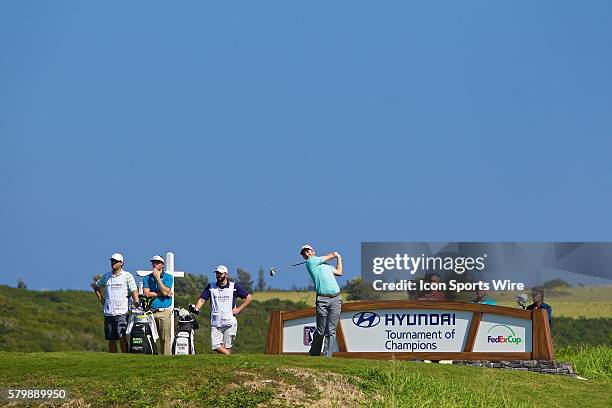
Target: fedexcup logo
{"points": [[366, 319], [509, 338]]}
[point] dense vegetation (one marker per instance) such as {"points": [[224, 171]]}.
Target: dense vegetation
{"points": [[72, 320], [568, 331]]}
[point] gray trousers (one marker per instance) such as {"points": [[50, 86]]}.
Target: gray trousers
{"points": [[328, 312]]}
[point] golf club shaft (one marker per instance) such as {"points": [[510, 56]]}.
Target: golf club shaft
{"points": [[273, 270], [290, 266]]}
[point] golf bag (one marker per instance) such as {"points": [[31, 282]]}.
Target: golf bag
{"points": [[142, 338], [183, 337]]}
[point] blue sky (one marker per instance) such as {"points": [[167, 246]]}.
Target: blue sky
{"points": [[234, 133]]}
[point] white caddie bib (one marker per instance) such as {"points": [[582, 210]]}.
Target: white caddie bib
{"points": [[116, 295], [221, 305]]}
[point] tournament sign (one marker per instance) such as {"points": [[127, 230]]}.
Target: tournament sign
{"points": [[420, 330]]}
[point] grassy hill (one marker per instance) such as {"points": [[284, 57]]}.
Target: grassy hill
{"points": [[102, 379], [72, 321], [49, 321], [65, 321]]}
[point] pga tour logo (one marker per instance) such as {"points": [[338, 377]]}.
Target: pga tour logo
{"points": [[509, 336], [366, 319], [308, 334]]}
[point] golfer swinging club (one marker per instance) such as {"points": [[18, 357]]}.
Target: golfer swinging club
{"points": [[329, 302]]}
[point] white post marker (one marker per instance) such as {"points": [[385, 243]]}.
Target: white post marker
{"points": [[169, 264]]}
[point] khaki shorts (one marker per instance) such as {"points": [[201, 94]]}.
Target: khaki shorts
{"points": [[223, 336]]}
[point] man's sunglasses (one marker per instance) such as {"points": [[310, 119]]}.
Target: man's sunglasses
{"points": [[114, 261]]}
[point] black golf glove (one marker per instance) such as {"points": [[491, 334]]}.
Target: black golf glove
{"points": [[192, 309]]}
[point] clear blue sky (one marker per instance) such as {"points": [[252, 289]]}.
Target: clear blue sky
{"points": [[233, 133]]}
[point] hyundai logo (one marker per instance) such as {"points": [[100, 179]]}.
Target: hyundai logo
{"points": [[366, 319]]}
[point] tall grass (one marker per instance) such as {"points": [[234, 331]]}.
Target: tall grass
{"points": [[396, 384], [593, 362]]}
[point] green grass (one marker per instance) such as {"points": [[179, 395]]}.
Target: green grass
{"points": [[308, 297], [574, 302], [49, 321], [567, 331], [246, 380], [73, 321], [576, 309], [593, 362]]}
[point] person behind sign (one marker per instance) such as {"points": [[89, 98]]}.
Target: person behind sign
{"points": [[329, 302], [537, 294], [223, 310], [433, 279], [118, 285], [158, 285], [482, 297]]}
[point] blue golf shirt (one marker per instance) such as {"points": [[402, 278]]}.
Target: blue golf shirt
{"points": [[160, 302], [322, 275]]}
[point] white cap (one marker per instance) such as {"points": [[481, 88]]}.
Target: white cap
{"points": [[157, 258], [117, 257], [306, 247], [221, 268]]}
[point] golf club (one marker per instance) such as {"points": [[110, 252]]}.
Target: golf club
{"points": [[274, 270], [521, 300]]}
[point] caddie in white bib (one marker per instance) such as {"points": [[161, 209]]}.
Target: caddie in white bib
{"points": [[223, 309]]}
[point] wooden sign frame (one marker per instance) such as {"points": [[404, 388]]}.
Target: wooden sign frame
{"points": [[541, 348]]}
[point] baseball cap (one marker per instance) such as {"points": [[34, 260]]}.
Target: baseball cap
{"points": [[221, 268], [306, 247], [117, 257], [157, 258]]}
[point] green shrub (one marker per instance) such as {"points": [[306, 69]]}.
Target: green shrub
{"points": [[567, 331]]}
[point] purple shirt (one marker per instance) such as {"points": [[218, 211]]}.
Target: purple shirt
{"points": [[238, 292]]}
